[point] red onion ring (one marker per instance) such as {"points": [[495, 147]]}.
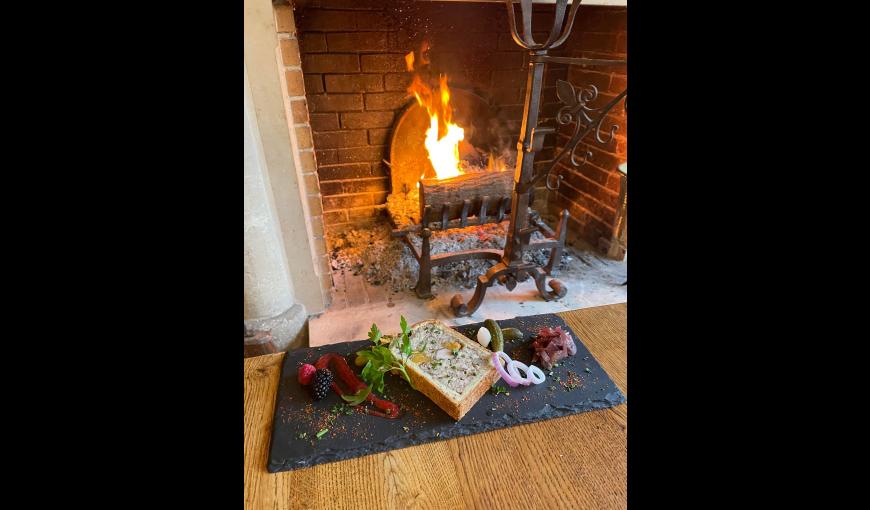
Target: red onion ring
{"points": [[534, 375], [514, 367], [501, 371]]}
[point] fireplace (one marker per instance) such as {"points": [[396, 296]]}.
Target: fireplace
{"points": [[347, 80], [356, 86]]}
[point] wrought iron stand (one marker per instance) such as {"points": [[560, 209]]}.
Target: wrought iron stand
{"points": [[577, 108]]}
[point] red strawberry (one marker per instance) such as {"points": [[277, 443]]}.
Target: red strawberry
{"points": [[306, 373]]}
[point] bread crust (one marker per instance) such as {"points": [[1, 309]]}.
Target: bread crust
{"points": [[444, 397]]}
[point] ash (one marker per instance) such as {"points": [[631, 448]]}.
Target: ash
{"points": [[386, 260]]}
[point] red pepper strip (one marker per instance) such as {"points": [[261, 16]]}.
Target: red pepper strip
{"points": [[355, 384]]}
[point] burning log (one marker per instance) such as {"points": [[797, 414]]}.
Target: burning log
{"points": [[477, 193]]}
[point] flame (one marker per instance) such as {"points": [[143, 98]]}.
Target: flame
{"points": [[443, 136]]}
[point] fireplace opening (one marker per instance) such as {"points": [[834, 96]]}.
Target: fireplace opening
{"points": [[358, 64]]}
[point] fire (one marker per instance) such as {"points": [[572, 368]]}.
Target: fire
{"points": [[443, 136]]}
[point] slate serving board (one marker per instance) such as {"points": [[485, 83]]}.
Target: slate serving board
{"points": [[298, 418]]}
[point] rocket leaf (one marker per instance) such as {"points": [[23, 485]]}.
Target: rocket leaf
{"points": [[358, 398]]}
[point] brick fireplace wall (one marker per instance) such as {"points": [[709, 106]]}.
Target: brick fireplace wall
{"points": [[355, 81], [591, 192]]}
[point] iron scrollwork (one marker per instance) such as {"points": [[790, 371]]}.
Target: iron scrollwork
{"points": [[578, 109]]}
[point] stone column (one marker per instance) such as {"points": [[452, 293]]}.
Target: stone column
{"points": [[269, 290]]}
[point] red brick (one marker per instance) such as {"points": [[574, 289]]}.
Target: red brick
{"points": [[382, 63], [363, 215], [312, 43], [315, 206], [295, 85], [378, 136], [284, 22], [338, 139], [313, 83], [451, 42], [299, 111], [509, 78], [327, 157], [317, 20], [354, 83], [397, 81], [594, 173], [386, 100], [622, 43], [330, 188], [621, 146], [330, 63], [548, 95], [596, 41], [506, 60], [614, 182], [551, 75], [380, 169], [335, 103], [310, 183], [378, 184], [334, 217], [473, 76], [545, 154], [357, 41], [372, 153], [586, 212], [583, 184], [580, 77], [505, 96], [366, 120], [594, 19], [506, 42], [373, 21], [615, 21], [290, 52], [303, 137], [464, 18], [511, 112], [324, 121], [347, 201], [407, 40], [351, 4], [618, 83], [605, 160], [610, 55], [341, 172], [307, 162]]}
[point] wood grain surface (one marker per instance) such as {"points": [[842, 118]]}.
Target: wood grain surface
{"points": [[573, 462]]}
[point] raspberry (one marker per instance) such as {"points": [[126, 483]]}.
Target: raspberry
{"points": [[306, 373]]}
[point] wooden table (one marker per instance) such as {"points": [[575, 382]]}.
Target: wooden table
{"points": [[586, 471]]}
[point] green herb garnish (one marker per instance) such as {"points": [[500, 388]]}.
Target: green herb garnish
{"points": [[498, 389], [345, 409], [380, 358], [322, 433]]}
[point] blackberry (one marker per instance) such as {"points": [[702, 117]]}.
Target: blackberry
{"points": [[320, 384]]}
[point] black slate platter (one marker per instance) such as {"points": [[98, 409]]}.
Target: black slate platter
{"points": [[298, 418]]}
